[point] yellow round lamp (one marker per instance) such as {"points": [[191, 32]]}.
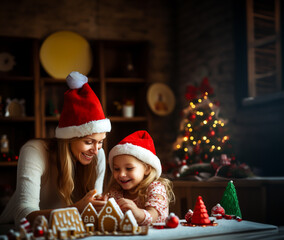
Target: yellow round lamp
{"points": [[65, 51]]}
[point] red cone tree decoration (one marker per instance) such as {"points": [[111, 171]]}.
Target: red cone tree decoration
{"points": [[200, 215]]}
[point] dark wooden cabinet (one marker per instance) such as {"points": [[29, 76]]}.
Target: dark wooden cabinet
{"points": [[119, 72]]}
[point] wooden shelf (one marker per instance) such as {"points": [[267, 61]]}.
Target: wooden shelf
{"points": [[17, 119], [63, 81], [124, 119], [125, 80], [15, 78], [262, 16], [263, 30], [8, 164]]}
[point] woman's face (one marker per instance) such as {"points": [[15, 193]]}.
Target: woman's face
{"points": [[86, 148]]}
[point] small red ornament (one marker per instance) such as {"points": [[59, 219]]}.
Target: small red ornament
{"points": [[188, 216], [229, 217], [38, 232], [196, 149], [172, 221], [217, 211], [192, 117], [158, 225], [209, 118], [211, 133], [239, 219]]}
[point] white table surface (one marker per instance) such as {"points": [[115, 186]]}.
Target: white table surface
{"points": [[226, 229]]}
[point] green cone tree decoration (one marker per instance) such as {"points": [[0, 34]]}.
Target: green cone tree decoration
{"points": [[230, 200]]}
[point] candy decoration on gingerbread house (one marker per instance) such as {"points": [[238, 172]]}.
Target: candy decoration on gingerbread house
{"points": [[200, 215], [230, 200]]}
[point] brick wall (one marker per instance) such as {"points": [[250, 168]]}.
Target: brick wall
{"points": [[205, 47]]}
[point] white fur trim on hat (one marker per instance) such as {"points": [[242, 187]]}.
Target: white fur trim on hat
{"points": [[89, 128], [141, 153], [76, 80]]}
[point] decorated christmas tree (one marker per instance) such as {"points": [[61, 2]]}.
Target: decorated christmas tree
{"points": [[203, 136], [230, 200]]}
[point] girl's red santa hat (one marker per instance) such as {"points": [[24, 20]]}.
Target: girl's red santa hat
{"points": [[82, 112], [140, 145]]}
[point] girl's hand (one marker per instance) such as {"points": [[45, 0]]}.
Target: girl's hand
{"points": [[89, 197], [127, 204]]}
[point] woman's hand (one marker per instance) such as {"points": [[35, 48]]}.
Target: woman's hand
{"points": [[127, 204], [89, 197]]}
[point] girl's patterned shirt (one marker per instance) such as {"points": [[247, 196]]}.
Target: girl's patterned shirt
{"points": [[156, 198]]}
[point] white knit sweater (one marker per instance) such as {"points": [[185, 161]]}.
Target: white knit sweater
{"points": [[36, 190]]}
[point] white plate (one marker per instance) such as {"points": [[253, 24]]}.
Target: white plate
{"points": [[161, 99]]}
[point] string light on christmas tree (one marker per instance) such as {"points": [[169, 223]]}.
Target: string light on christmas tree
{"points": [[203, 134]]}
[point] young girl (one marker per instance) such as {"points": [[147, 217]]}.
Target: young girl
{"points": [[136, 184]]}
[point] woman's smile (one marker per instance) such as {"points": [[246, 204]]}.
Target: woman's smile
{"points": [[88, 157]]}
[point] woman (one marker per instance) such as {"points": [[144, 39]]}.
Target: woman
{"points": [[68, 170]]}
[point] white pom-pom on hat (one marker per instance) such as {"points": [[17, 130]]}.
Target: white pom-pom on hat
{"points": [[76, 80]]}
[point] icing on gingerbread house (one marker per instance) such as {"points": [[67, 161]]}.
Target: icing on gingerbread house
{"points": [[90, 215], [66, 219], [110, 217], [129, 223]]}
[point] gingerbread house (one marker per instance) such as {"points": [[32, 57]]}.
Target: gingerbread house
{"points": [[110, 217], [90, 215], [129, 223], [66, 221]]}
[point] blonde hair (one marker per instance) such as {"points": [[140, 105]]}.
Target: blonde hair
{"points": [[74, 180], [141, 189]]}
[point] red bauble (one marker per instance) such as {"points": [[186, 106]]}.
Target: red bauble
{"points": [[192, 117], [188, 216], [172, 221], [217, 210], [39, 232], [211, 133], [196, 149], [209, 118]]}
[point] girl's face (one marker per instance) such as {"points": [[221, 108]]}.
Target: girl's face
{"points": [[128, 171], [86, 148]]}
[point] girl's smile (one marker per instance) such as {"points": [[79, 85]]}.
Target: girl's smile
{"points": [[128, 171]]}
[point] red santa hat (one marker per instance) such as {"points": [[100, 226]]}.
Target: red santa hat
{"points": [[140, 145], [82, 112]]}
